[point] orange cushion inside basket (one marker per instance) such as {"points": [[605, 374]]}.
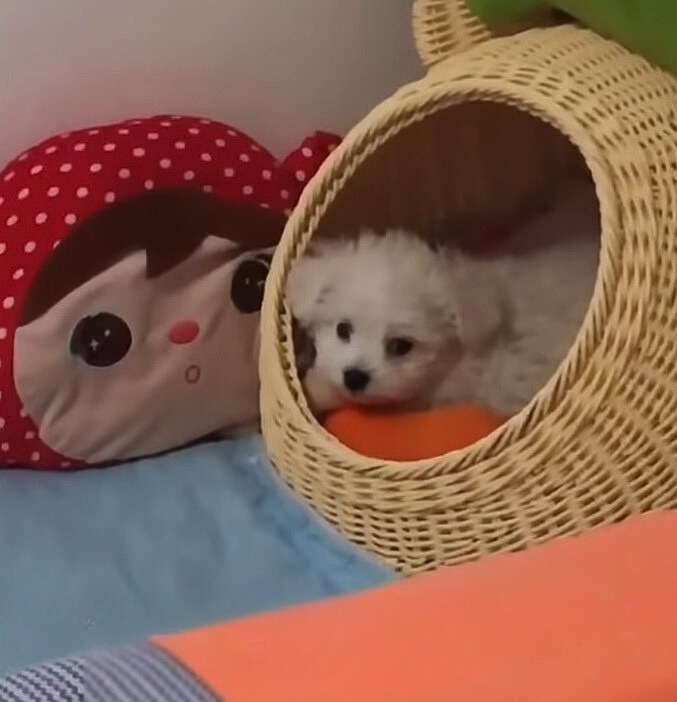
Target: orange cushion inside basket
{"points": [[584, 619], [411, 436]]}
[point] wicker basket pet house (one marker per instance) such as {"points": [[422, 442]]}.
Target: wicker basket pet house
{"points": [[493, 121]]}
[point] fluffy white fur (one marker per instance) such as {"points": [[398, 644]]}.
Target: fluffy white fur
{"points": [[486, 330]]}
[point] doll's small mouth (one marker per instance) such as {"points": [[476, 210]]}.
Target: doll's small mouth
{"points": [[192, 374]]}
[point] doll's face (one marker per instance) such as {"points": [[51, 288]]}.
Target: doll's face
{"points": [[140, 332], [125, 366]]}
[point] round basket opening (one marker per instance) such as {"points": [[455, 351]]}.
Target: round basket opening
{"points": [[494, 182], [470, 164]]}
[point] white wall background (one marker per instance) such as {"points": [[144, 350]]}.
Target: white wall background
{"points": [[276, 68]]}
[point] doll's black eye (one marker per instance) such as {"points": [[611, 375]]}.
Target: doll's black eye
{"points": [[246, 288], [344, 330], [399, 346], [101, 340]]}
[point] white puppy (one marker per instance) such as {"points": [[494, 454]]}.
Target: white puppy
{"points": [[395, 322]]}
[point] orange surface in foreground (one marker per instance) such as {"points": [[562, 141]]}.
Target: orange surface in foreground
{"points": [[588, 619], [411, 436]]}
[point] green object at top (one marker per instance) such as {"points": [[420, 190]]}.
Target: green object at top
{"points": [[647, 27]]}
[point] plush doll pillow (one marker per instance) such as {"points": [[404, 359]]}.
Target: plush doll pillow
{"points": [[133, 259]]}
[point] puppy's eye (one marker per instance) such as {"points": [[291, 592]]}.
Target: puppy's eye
{"points": [[344, 331], [399, 346]]}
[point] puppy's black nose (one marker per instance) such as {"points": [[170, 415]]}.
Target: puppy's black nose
{"points": [[355, 379]]}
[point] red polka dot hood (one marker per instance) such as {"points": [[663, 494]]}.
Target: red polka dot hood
{"points": [[49, 190]]}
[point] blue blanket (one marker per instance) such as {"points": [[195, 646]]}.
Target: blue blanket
{"points": [[106, 557]]}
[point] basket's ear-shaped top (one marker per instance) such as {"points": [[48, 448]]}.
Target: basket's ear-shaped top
{"points": [[446, 27]]}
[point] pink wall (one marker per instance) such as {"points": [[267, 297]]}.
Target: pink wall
{"points": [[276, 68]]}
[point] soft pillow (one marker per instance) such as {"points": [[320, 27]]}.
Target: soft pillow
{"points": [[411, 436], [133, 258]]}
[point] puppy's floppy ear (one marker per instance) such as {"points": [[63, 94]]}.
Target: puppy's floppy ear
{"points": [[308, 283], [478, 304]]}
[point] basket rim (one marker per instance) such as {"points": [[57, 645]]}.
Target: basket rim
{"points": [[369, 135]]}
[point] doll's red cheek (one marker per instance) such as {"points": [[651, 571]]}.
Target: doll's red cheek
{"points": [[184, 332]]}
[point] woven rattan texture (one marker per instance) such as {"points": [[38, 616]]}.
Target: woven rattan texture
{"points": [[443, 27], [599, 441]]}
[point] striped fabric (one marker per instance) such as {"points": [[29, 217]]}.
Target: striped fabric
{"points": [[132, 674]]}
